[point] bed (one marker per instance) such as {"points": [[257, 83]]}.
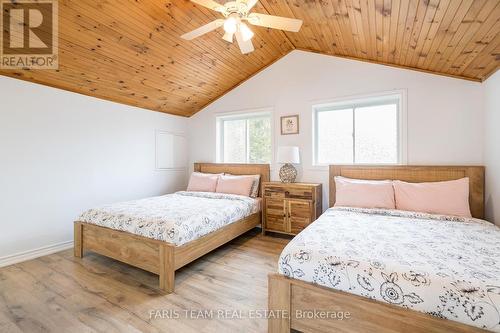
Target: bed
{"points": [[392, 271], [163, 234]]}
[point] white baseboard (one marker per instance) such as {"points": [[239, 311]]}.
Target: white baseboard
{"points": [[32, 254]]}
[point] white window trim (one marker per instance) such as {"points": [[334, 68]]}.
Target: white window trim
{"points": [[241, 114], [400, 94]]}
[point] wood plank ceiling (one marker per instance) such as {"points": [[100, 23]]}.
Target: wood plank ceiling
{"points": [[129, 51]]}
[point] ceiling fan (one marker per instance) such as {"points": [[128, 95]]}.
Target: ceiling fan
{"points": [[235, 14]]}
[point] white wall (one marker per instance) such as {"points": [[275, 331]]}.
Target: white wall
{"points": [[492, 147], [445, 115], [61, 153]]}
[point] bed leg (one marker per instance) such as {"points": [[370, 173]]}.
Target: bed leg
{"points": [[279, 304], [167, 268], [78, 241]]}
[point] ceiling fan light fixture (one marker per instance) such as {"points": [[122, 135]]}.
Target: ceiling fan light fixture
{"points": [[236, 14], [228, 37], [230, 25], [246, 33]]}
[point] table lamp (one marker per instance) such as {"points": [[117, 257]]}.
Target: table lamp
{"points": [[288, 155]]}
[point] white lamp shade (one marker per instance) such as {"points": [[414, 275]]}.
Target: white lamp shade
{"points": [[288, 154]]}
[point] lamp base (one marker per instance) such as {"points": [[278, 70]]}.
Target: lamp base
{"points": [[288, 173]]}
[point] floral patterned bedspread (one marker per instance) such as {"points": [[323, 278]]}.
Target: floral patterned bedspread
{"points": [[176, 218], [444, 266]]}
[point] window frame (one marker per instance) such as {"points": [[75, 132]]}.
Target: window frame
{"points": [[353, 102], [241, 115]]}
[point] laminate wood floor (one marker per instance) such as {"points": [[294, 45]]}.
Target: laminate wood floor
{"points": [[223, 291]]}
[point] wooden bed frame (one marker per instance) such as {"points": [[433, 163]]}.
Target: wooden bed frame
{"points": [[287, 296], [160, 257]]}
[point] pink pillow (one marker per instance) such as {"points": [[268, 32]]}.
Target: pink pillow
{"points": [[203, 182], [235, 185], [446, 198], [364, 193], [254, 192]]}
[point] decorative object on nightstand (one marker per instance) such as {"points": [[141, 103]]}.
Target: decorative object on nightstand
{"points": [[288, 155], [289, 208]]}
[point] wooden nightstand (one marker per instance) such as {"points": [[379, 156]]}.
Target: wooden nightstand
{"points": [[290, 207]]}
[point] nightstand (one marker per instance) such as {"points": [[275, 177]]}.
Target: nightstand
{"points": [[290, 207]]}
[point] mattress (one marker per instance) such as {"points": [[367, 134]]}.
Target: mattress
{"points": [[444, 266], [177, 218]]}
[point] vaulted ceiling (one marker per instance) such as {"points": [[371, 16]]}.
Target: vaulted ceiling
{"points": [[129, 51]]}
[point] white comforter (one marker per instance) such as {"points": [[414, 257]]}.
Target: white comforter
{"points": [[175, 218], [444, 266]]}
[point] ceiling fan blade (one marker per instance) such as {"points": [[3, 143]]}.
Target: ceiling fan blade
{"points": [[210, 4], [275, 22], [245, 46], [251, 3], [203, 29]]}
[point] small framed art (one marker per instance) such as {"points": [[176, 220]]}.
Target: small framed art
{"points": [[290, 125]]}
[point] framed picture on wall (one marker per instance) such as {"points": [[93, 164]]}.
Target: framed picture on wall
{"points": [[290, 125]]}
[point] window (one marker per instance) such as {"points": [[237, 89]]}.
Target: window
{"points": [[244, 138], [364, 131]]}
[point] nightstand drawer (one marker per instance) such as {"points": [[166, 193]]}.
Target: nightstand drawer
{"points": [[281, 192], [299, 193], [274, 192]]}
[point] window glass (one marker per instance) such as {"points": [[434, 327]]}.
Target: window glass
{"points": [[335, 136], [245, 139], [259, 133], [234, 141], [364, 132], [376, 134]]}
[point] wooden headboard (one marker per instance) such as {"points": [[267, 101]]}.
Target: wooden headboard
{"points": [[417, 174], [237, 169]]}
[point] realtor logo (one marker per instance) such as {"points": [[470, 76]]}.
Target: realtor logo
{"points": [[29, 34]]}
